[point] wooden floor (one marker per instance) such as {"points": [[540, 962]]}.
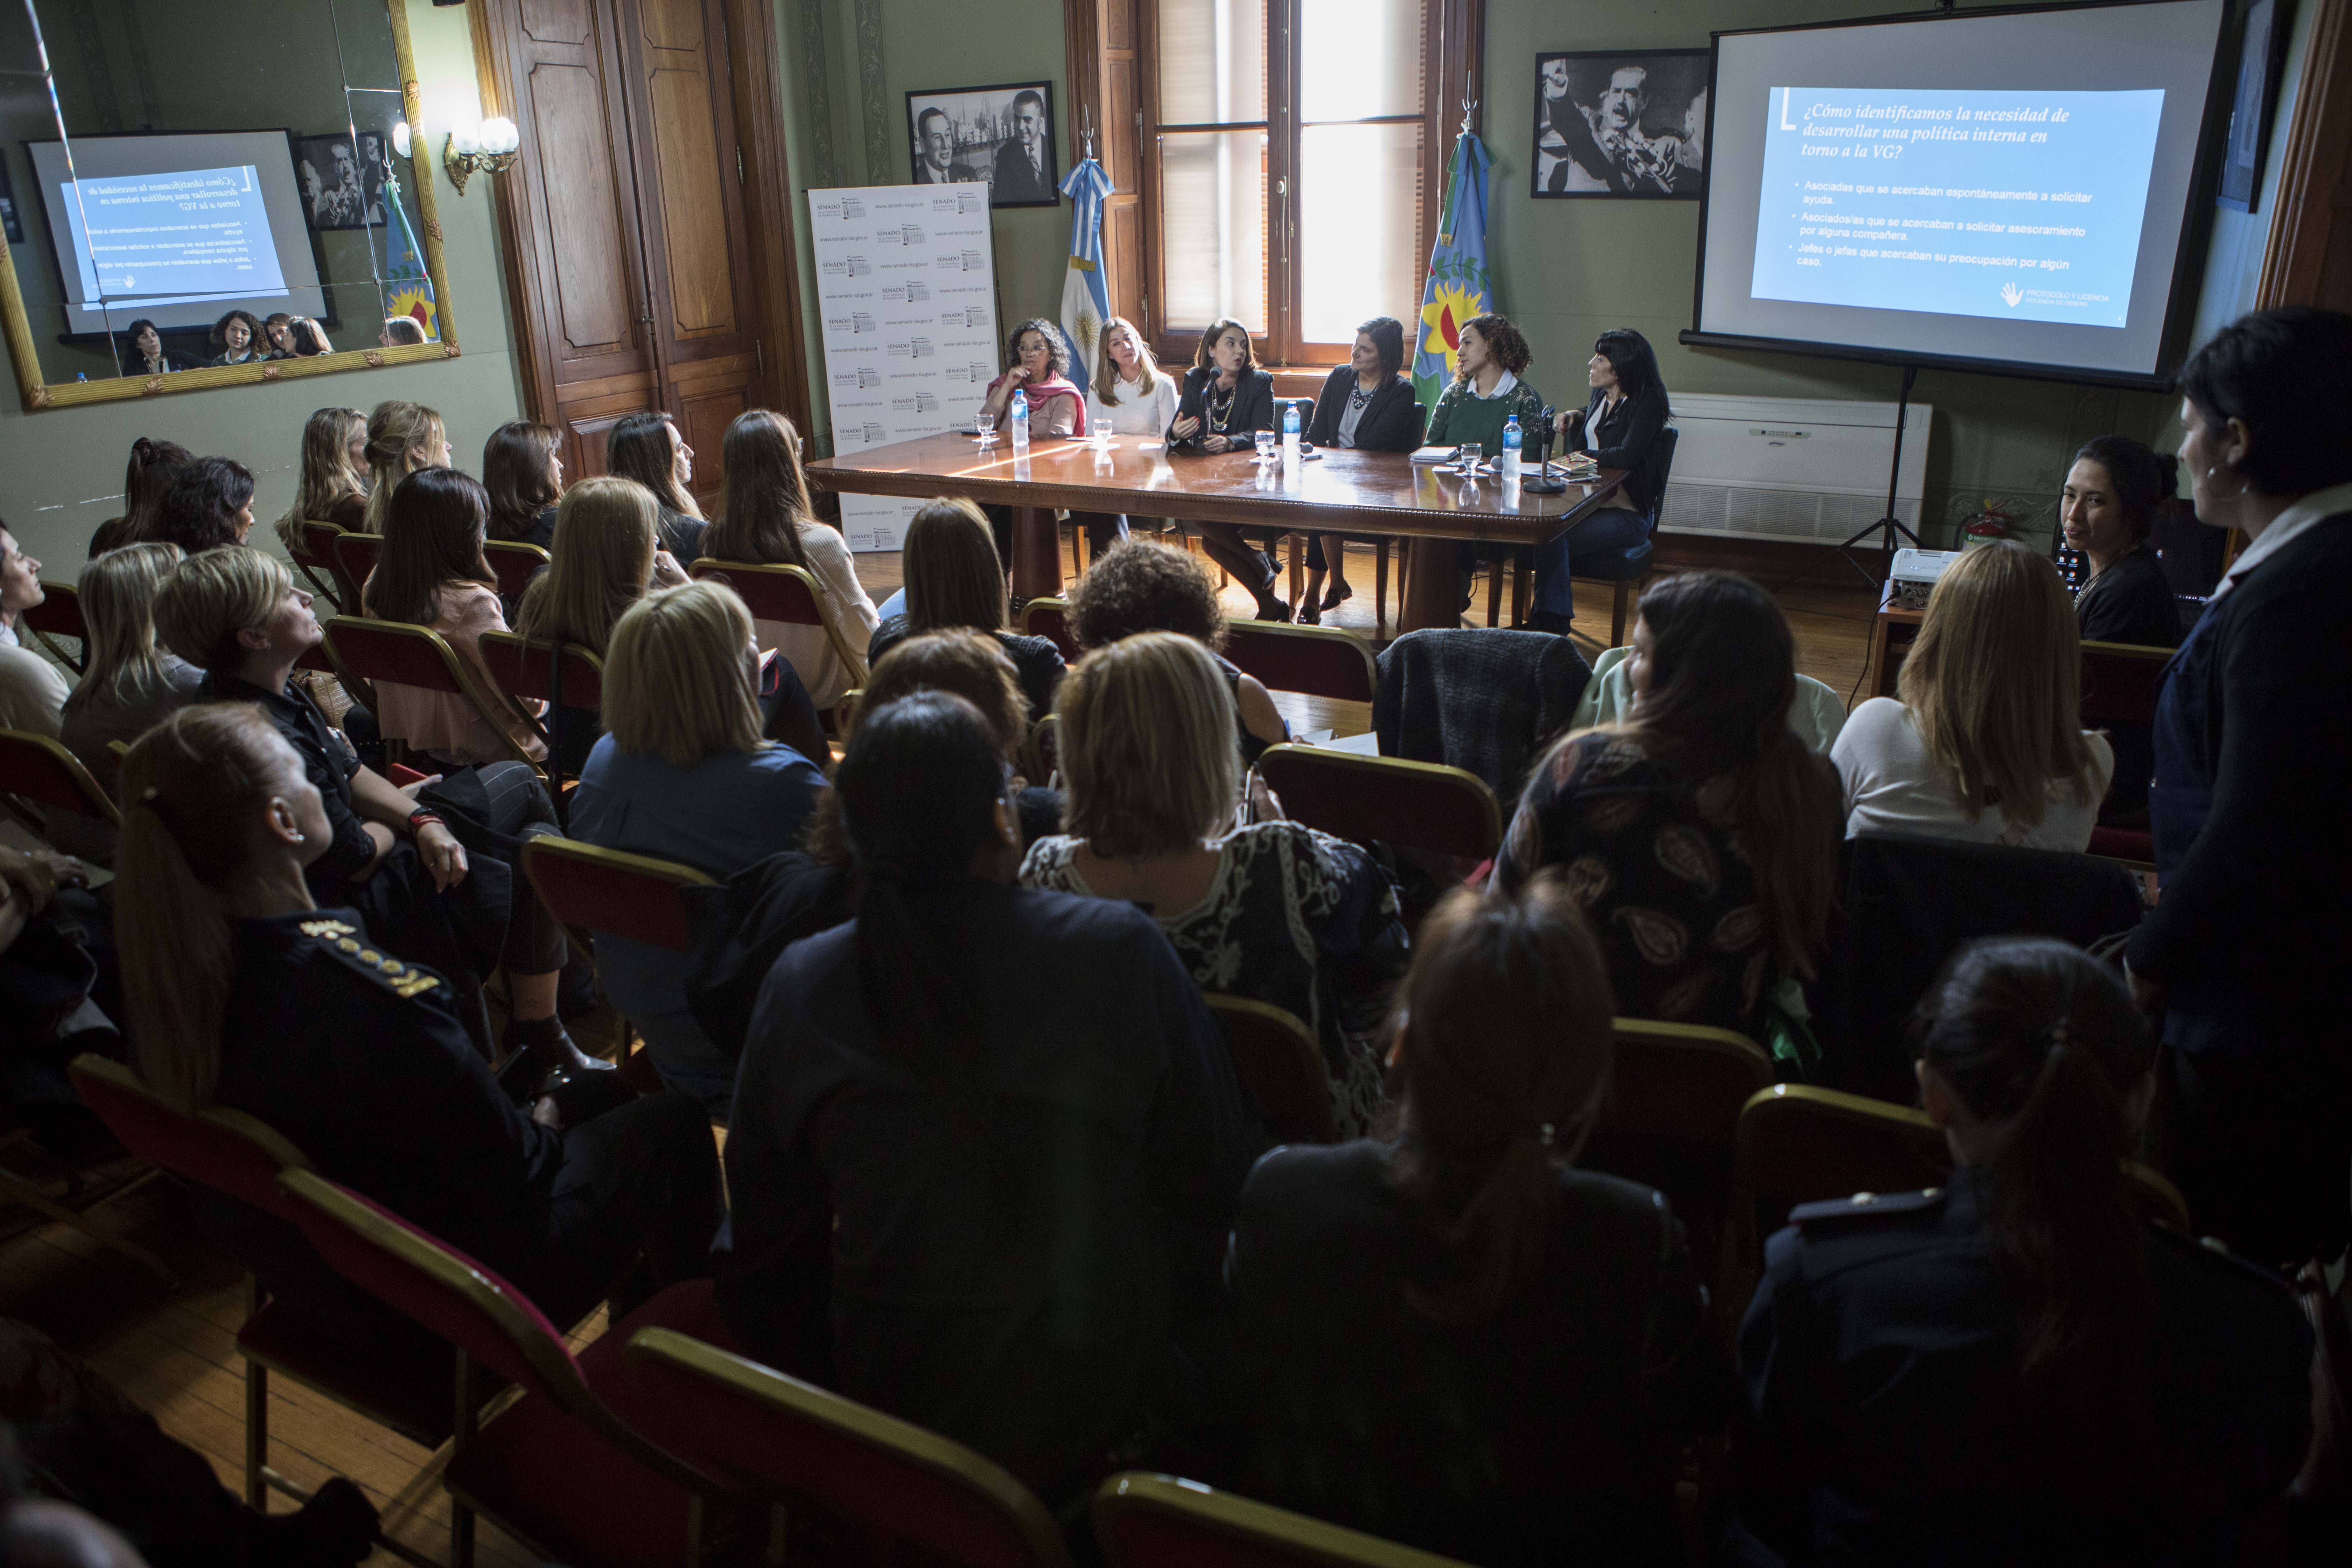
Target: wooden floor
{"points": [[173, 1354]]}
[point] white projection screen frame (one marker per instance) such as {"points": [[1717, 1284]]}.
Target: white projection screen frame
{"points": [[2006, 54], [271, 155]]}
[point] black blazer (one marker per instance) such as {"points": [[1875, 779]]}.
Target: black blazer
{"points": [[1627, 438], [1253, 408], [1393, 421]]}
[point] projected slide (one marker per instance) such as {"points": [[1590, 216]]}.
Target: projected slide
{"points": [[2020, 205], [167, 237]]}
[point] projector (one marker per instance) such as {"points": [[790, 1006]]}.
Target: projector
{"points": [[1914, 577]]}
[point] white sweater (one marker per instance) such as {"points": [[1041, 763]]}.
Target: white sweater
{"points": [[1893, 786], [809, 649], [1136, 414]]}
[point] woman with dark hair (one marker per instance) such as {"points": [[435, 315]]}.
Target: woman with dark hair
{"points": [[1224, 402], [277, 335], [2254, 744], [1039, 360], [1143, 585], [2104, 512], [309, 339], [1619, 426], [145, 480], [982, 1215], [2015, 1367], [143, 354], [1699, 833], [523, 473], [1490, 355], [209, 504], [1451, 1337], [1366, 405], [649, 449], [955, 580], [237, 337]]}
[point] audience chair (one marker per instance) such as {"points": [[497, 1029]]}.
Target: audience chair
{"points": [[1628, 568], [784, 1440], [1320, 661], [1281, 1066], [562, 675], [40, 771], [1159, 1521], [71, 1206], [355, 558], [232, 1153], [557, 1469], [315, 559], [513, 564], [613, 893], [401, 653], [1421, 805], [58, 614], [2120, 683], [1050, 618], [789, 595]]}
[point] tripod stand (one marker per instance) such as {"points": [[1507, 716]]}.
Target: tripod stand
{"points": [[1890, 528]]}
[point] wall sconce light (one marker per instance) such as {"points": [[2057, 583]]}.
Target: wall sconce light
{"points": [[491, 147]]}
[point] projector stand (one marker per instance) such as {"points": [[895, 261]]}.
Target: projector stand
{"points": [[1889, 527]]}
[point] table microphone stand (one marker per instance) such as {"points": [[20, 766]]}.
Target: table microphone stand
{"points": [[1545, 482]]}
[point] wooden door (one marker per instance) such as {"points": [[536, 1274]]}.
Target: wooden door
{"points": [[2309, 260]]}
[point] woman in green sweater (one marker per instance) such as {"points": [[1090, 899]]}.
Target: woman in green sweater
{"points": [[1486, 388]]}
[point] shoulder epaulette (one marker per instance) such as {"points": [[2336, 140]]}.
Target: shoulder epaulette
{"points": [[342, 940], [1867, 1205]]}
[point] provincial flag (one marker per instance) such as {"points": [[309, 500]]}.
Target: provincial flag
{"points": [[1459, 286], [1085, 301], [408, 287]]}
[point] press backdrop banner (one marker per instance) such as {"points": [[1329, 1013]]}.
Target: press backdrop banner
{"points": [[907, 290]]}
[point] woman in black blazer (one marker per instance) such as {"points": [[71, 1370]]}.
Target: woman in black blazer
{"points": [[1369, 405], [1620, 426], [1227, 401]]}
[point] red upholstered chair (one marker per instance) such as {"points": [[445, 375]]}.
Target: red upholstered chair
{"points": [[512, 562], [1050, 618], [1422, 806], [36, 769], [786, 1440], [559, 1468], [611, 892], [789, 595], [1159, 1521], [58, 614], [1282, 1067], [1321, 661], [315, 559], [402, 653], [355, 558], [540, 670], [2120, 682]]}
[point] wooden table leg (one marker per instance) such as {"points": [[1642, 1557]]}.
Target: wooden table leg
{"points": [[1036, 553], [1432, 586]]}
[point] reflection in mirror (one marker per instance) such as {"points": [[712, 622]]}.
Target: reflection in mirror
{"points": [[161, 223]]}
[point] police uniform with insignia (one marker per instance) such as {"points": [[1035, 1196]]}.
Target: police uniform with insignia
{"points": [[1883, 1420]]}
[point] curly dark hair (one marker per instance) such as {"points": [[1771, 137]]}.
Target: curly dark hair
{"points": [[1503, 341], [1056, 345], [1138, 585]]}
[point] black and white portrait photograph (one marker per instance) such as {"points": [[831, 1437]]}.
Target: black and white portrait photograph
{"points": [[1621, 124], [341, 189], [1002, 137]]}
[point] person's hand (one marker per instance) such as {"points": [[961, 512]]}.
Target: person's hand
{"points": [[1566, 420], [443, 856], [547, 1113], [1184, 429], [1216, 444], [1016, 377], [64, 870], [410, 790], [665, 571], [1263, 803], [2146, 994], [28, 875]]}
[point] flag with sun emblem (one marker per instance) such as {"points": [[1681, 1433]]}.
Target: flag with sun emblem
{"points": [[1459, 285], [1085, 300], [408, 287]]}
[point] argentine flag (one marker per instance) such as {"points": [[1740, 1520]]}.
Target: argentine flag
{"points": [[1086, 303]]}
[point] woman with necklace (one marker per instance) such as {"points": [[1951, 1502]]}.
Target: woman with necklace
{"points": [[1366, 405], [1225, 402]]}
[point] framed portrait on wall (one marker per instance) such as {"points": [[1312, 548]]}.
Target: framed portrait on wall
{"points": [[1002, 137], [2261, 62], [1621, 122], [343, 188]]}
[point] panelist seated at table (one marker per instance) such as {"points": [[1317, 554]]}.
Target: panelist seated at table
{"points": [[1225, 402], [1620, 426], [1366, 405], [1039, 366], [1128, 395]]}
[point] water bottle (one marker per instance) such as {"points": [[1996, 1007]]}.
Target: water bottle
{"points": [[1512, 439], [1020, 424], [1290, 432]]}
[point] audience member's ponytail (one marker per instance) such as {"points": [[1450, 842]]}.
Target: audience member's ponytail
{"points": [[2042, 1048], [1505, 1053], [186, 784], [400, 438]]}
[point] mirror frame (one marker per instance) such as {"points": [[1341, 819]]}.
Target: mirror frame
{"points": [[17, 327]]}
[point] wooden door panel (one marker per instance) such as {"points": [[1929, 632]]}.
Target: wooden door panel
{"points": [[594, 302], [703, 415], [693, 204], [1124, 224], [674, 24], [556, 21], [584, 436], [1119, 152]]}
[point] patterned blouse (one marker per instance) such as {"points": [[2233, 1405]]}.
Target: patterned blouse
{"points": [[1295, 919], [1669, 893]]}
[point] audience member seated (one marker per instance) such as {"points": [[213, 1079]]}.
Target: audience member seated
{"points": [[432, 574], [770, 522], [2106, 512], [1144, 587], [647, 447], [238, 340], [1227, 400], [1128, 394], [955, 580], [2254, 744], [131, 684], [683, 774], [32, 687], [1699, 835], [209, 504], [143, 354], [1619, 426], [278, 333], [1366, 405], [1451, 1337], [1269, 910], [245, 993], [402, 437], [1986, 742], [394, 855], [401, 331], [524, 475], [987, 1140], [153, 465], [2015, 1367], [334, 483], [309, 339]]}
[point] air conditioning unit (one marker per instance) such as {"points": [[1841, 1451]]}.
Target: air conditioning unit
{"points": [[1791, 467]]}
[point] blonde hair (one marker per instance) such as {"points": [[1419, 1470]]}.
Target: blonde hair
{"points": [[399, 435], [327, 473], [213, 596], [681, 680], [606, 533], [1147, 747], [190, 787], [117, 607], [1107, 368], [1994, 683], [953, 576]]}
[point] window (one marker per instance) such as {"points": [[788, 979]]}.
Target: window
{"points": [[1293, 153]]}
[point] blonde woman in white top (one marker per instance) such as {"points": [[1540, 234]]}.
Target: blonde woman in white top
{"points": [[1987, 743], [1128, 395], [769, 521]]}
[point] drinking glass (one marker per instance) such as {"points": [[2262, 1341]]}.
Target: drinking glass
{"points": [[985, 425], [1467, 456], [1265, 445]]}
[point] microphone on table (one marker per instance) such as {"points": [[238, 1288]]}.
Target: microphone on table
{"points": [[1545, 482]]}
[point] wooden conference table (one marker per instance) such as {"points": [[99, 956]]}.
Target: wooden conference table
{"points": [[1338, 491]]}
